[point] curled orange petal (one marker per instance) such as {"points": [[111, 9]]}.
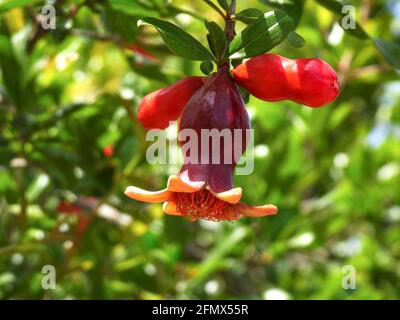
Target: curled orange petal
{"points": [[175, 184], [259, 211], [232, 196], [148, 196], [169, 207]]}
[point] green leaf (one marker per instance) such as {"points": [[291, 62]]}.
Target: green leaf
{"points": [[224, 4], [262, 35], [236, 62], [206, 67], [337, 7], [249, 15], [8, 5], [217, 40], [390, 50], [296, 40], [245, 94], [294, 8], [179, 41]]}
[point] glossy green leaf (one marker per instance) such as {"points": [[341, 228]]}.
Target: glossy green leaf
{"points": [[262, 35], [224, 4], [294, 8], [245, 94], [206, 67], [296, 40], [217, 40], [236, 62], [249, 15], [179, 41]]}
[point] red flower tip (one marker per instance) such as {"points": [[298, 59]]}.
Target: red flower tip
{"points": [[159, 108], [271, 77]]}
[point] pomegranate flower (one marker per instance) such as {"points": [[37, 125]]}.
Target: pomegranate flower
{"points": [[204, 187], [200, 201]]}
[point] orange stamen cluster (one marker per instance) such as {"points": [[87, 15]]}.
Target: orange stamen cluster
{"points": [[200, 205]]}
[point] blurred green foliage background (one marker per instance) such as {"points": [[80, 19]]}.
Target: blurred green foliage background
{"points": [[70, 144]]}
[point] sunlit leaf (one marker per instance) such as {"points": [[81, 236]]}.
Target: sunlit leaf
{"points": [[294, 8], [179, 41], [262, 35], [249, 15]]}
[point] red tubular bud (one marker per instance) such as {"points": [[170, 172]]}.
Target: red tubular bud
{"points": [[160, 107], [270, 77]]}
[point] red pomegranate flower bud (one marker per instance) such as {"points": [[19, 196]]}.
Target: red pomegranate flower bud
{"points": [[204, 188], [158, 108], [270, 77]]}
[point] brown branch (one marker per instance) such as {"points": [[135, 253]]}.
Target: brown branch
{"points": [[230, 23]]}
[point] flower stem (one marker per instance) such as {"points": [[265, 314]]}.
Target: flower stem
{"points": [[230, 33], [230, 22]]}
